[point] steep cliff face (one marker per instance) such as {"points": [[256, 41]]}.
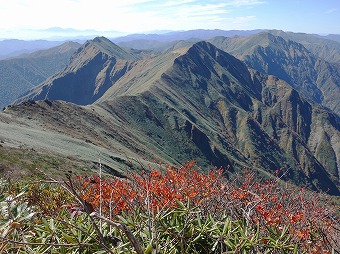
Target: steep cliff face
{"points": [[270, 122], [290, 61]]}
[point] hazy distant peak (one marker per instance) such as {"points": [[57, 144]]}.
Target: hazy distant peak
{"points": [[70, 43]]}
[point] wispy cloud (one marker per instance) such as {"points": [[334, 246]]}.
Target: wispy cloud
{"points": [[126, 16], [331, 11], [191, 14], [239, 3], [177, 3]]}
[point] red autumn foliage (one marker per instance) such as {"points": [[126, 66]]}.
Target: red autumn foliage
{"points": [[269, 203], [162, 190]]}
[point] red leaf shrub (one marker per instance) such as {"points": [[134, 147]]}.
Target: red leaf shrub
{"points": [[271, 203]]}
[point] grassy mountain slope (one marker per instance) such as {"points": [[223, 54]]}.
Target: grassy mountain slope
{"points": [[18, 75], [201, 103]]}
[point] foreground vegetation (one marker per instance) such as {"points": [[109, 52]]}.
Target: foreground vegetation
{"points": [[169, 210]]}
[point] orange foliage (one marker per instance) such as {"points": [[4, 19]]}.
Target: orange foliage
{"points": [[266, 203], [160, 190]]}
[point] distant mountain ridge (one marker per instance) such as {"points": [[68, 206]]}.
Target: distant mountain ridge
{"points": [[160, 42], [149, 40], [14, 47], [55, 36], [201, 34], [191, 102], [334, 37]]}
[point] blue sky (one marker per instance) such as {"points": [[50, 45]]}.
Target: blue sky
{"points": [[22, 18]]}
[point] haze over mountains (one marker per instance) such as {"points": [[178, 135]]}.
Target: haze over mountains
{"points": [[265, 100]]}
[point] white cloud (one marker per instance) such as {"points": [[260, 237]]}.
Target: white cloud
{"points": [[118, 15]]}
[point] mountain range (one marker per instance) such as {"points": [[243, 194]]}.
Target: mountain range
{"points": [[307, 72], [259, 101]]}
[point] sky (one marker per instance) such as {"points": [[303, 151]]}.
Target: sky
{"points": [[31, 19]]}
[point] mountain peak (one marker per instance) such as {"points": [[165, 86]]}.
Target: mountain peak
{"points": [[221, 57], [96, 65], [208, 48], [105, 46], [101, 39]]}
